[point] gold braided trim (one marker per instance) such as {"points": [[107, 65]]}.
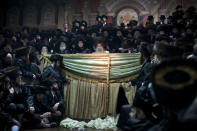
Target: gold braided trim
{"points": [[91, 80], [79, 55], [45, 58], [94, 55]]}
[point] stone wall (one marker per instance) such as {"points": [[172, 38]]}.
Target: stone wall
{"points": [[45, 14]]}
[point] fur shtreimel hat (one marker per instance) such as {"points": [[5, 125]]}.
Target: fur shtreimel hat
{"points": [[175, 82]]}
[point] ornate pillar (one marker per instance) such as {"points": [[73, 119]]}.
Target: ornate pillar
{"points": [[61, 18], [101, 8], [68, 12], [111, 17], [143, 17], [85, 11]]}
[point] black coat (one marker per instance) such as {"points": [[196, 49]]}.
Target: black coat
{"points": [[40, 106], [35, 70], [21, 95], [51, 72], [6, 120], [51, 100], [142, 75], [25, 68], [115, 44]]}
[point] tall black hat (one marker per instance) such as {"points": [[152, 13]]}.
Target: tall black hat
{"points": [[175, 82]]}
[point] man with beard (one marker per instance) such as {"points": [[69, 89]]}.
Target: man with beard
{"points": [[54, 103], [63, 48], [42, 109]]}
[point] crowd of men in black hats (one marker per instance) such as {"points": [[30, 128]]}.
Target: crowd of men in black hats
{"points": [[166, 91], [28, 98], [165, 99]]}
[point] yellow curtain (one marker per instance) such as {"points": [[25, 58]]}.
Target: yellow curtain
{"points": [[95, 81]]}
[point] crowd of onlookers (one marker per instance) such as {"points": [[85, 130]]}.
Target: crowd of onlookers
{"points": [[165, 93], [165, 99]]}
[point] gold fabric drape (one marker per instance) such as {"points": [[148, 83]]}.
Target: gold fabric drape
{"points": [[95, 81]]}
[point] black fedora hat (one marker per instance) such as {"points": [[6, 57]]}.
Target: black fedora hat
{"points": [[104, 16], [98, 17]]}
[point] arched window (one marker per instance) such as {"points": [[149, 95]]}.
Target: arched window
{"points": [[126, 15]]}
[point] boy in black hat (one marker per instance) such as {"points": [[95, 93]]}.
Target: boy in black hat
{"points": [[19, 101], [7, 121], [22, 55], [34, 62], [54, 71], [81, 46]]}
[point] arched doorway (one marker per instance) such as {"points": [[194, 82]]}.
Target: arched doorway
{"points": [[125, 15]]}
